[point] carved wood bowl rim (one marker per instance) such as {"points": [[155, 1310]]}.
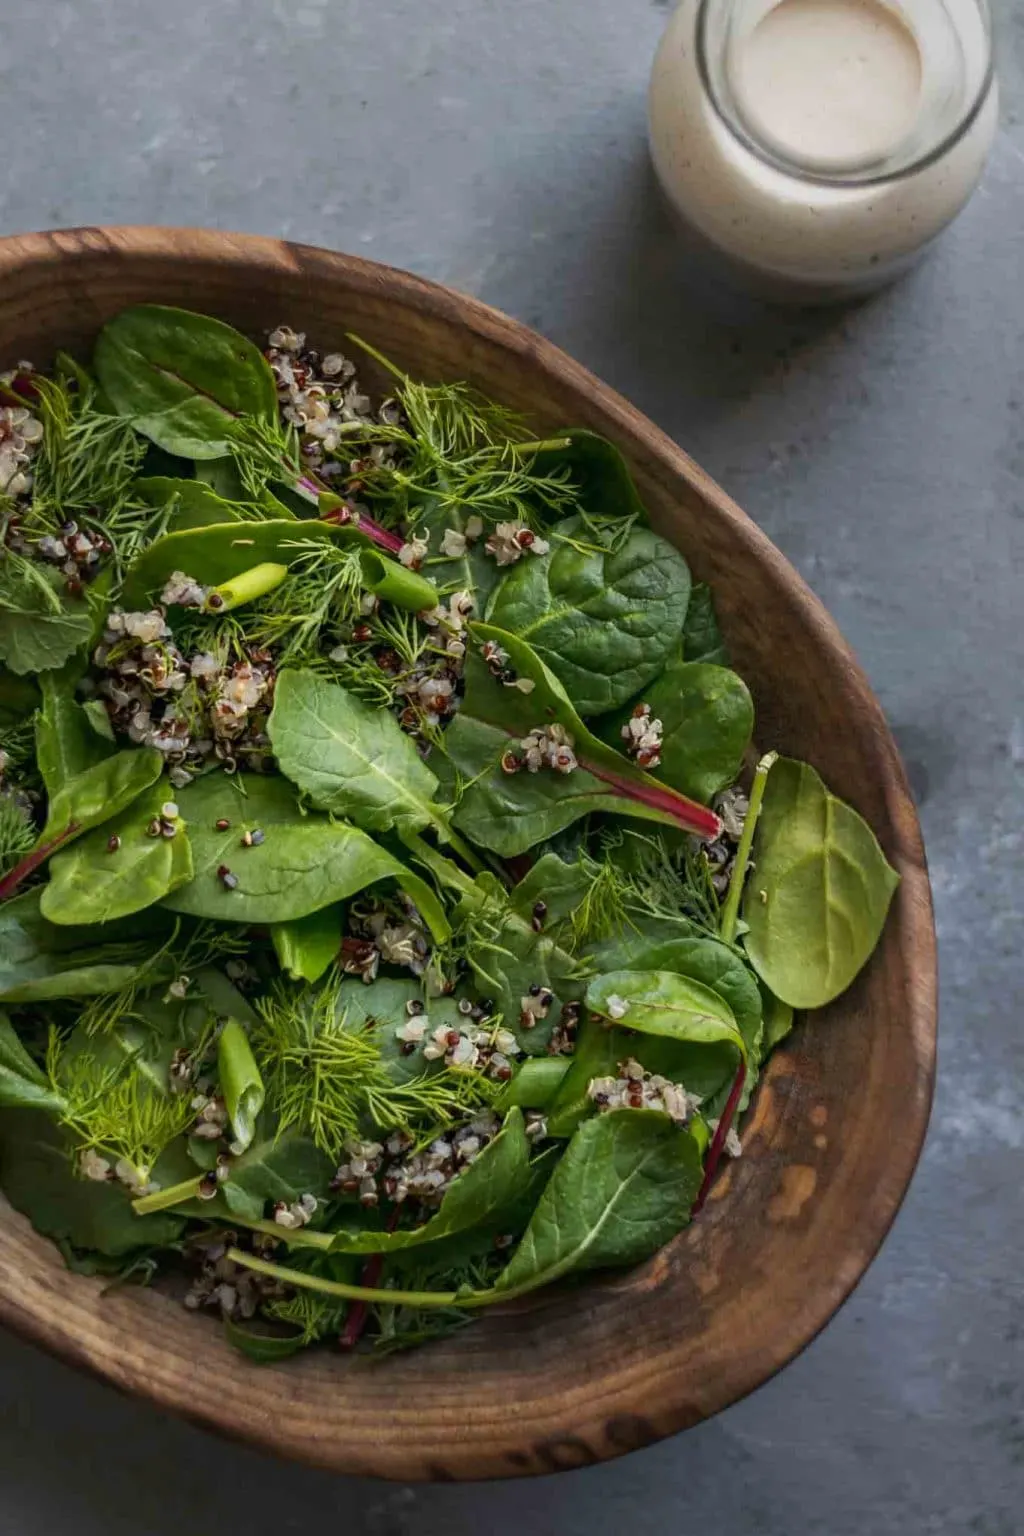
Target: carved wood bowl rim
{"points": [[572, 1376]]}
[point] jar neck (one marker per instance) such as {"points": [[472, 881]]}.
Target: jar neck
{"points": [[953, 40]]}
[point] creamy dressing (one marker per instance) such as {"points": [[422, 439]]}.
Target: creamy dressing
{"points": [[830, 82], [839, 142]]}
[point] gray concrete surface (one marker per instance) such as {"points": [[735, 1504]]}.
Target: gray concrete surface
{"points": [[499, 147]]}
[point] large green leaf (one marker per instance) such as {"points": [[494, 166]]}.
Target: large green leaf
{"points": [[194, 504], [512, 812], [702, 638], [663, 1003], [708, 719], [97, 794], [480, 1197], [38, 1177], [40, 961], [604, 622], [305, 861], [348, 757], [184, 379], [624, 1187], [67, 741], [817, 900], [91, 882], [274, 1168]]}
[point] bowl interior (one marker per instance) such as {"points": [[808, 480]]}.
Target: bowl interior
{"points": [[573, 1376]]}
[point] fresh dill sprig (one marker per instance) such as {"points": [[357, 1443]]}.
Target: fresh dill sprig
{"points": [[359, 670], [667, 879], [604, 907], [317, 601], [265, 451], [17, 833], [331, 1082], [316, 1317], [115, 1110], [405, 1327], [18, 744]]}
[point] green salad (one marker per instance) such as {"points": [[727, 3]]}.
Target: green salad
{"points": [[394, 915]]}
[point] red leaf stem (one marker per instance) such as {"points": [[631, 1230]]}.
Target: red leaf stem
{"points": [[718, 1139], [688, 813], [31, 862]]}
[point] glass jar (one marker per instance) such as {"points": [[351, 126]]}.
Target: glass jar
{"points": [[817, 147]]}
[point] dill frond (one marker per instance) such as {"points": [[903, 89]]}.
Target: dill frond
{"points": [[318, 601], [17, 833], [264, 451], [604, 908], [330, 1081], [315, 1316], [115, 1110], [665, 879]]}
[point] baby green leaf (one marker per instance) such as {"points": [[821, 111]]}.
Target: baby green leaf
{"points": [[240, 1082], [599, 471], [184, 379], [39, 1179], [662, 1003], [624, 1187], [101, 792], [348, 757], [604, 622], [513, 812], [196, 504], [23, 1085], [217, 554], [817, 901], [536, 1083], [91, 882], [40, 630], [478, 1197], [67, 742], [702, 638], [275, 1167], [708, 718], [40, 961], [304, 862], [306, 946]]}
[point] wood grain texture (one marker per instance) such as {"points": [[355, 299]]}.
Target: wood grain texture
{"points": [[569, 1377]]}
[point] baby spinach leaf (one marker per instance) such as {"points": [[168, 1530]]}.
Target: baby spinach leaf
{"points": [[624, 1187], [184, 379], [480, 1196], [605, 622], [90, 882], [39, 1179], [511, 813], [536, 1083], [195, 504], [348, 757], [702, 638], [106, 790], [240, 1082], [561, 886], [36, 634], [817, 901], [600, 472], [40, 961], [306, 946], [264, 1348], [778, 1020], [214, 555], [305, 862], [23, 1085], [274, 1168], [662, 1003], [708, 719]]}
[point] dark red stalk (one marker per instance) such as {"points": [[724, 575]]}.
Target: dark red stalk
{"points": [[20, 392], [380, 536], [358, 1312], [718, 1139], [31, 862], [695, 818]]}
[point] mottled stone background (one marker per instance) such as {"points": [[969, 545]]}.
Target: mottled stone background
{"points": [[500, 147]]}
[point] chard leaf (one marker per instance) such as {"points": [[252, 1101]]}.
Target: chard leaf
{"points": [[511, 813], [306, 946], [106, 790], [624, 1187], [214, 555], [817, 901], [348, 757], [184, 379], [305, 862], [23, 1085], [702, 638], [480, 1197], [708, 719], [92, 883], [605, 622], [39, 1179]]}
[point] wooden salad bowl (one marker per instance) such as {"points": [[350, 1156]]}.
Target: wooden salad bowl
{"points": [[568, 1376]]}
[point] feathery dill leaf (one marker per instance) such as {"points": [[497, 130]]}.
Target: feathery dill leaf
{"points": [[17, 833], [318, 600]]}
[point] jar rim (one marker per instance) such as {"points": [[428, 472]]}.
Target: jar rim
{"points": [[776, 161]]}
